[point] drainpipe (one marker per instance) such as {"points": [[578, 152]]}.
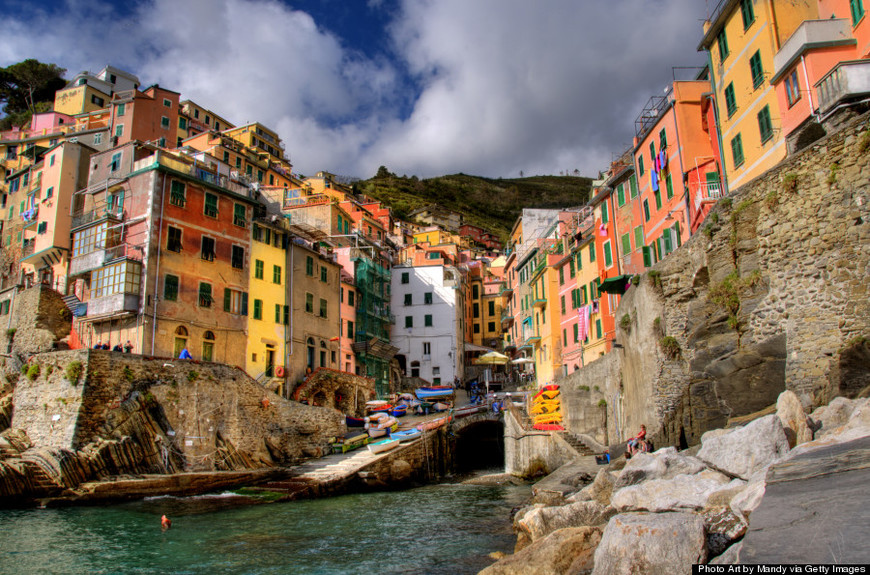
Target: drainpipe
{"points": [[682, 171], [809, 88], [775, 26], [157, 266]]}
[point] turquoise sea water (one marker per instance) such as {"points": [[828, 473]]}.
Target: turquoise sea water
{"points": [[436, 529]]}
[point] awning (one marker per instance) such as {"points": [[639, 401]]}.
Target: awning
{"points": [[616, 285]]}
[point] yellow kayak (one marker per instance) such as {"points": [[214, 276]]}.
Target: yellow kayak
{"points": [[546, 406], [549, 418], [550, 394]]}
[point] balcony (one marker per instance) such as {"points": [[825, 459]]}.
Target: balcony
{"points": [[196, 171], [532, 341], [113, 305], [83, 219], [88, 262], [810, 35], [539, 302], [27, 248], [507, 319], [848, 80], [30, 217]]}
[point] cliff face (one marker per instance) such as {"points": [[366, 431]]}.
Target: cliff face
{"points": [[773, 293], [89, 414]]}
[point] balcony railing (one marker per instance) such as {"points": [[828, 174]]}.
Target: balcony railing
{"points": [[847, 80], [85, 218], [28, 247]]}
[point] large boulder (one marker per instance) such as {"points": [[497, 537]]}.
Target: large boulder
{"points": [[745, 502], [744, 451], [651, 543], [568, 550], [663, 464], [538, 523], [723, 529], [600, 490], [829, 417], [683, 492], [794, 420]]}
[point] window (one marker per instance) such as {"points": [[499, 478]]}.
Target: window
{"points": [[207, 249], [722, 42], [427, 320], [576, 333], [123, 277], [309, 303], [652, 153], [207, 120], [350, 297], [119, 130], [491, 307], [97, 100], [598, 332], [646, 210], [427, 348], [638, 237], [164, 122], [98, 139], [475, 310], [349, 328], [405, 277], [211, 205], [235, 301], [239, 218], [792, 91], [490, 326], [620, 195], [765, 127], [177, 193], [170, 288], [408, 299], [427, 298], [591, 253], [669, 186], [608, 256], [632, 184], [663, 140], [604, 215], [475, 291], [309, 265], [182, 123], [276, 275], [571, 271], [204, 294], [121, 109], [167, 103], [258, 309], [51, 161], [324, 274], [856, 8], [756, 69], [409, 321], [322, 307], [658, 196], [626, 243], [737, 150], [640, 165], [49, 192], [747, 12], [730, 100], [208, 346], [174, 243], [238, 257], [476, 328], [258, 269], [115, 164]]}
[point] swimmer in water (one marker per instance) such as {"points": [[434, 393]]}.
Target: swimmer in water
{"points": [[165, 523]]}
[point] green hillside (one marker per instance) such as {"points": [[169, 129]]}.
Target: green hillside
{"points": [[491, 204]]}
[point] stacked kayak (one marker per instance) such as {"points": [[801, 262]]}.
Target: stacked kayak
{"points": [[350, 441], [546, 409], [381, 424]]}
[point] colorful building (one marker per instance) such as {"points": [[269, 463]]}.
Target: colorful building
{"points": [[741, 38], [147, 116]]}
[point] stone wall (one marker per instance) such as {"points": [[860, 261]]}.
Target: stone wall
{"points": [[39, 317], [346, 392], [772, 293], [531, 452]]}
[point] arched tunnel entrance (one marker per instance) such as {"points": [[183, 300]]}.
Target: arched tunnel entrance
{"points": [[480, 445]]}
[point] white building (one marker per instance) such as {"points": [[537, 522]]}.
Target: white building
{"points": [[429, 307]]}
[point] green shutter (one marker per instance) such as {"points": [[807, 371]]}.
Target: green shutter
{"points": [[620, 195], [585, 296], [592, 252], [244, 303], [632, 184], [646, 210], [640, 165], [604, 216], [677, 233], [669, 184], [638, 237], [227, 299], [658, 196], [647, 257], [730, 100], [626, 244], [756, 69], [737, 150], [608, 256], [598, 332]]}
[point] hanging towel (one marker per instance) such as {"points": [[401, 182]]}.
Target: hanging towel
{"points": [[581, 322], [654, 181], [602, 231], [663, 160]]}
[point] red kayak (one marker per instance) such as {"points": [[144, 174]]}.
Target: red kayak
{"points": [[548, 427]]}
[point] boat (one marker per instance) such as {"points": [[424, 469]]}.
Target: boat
{"points": [[350, 441], [383, 445], [549, 418], [546, 388], [375, 433], [550, 394], [545, 407], [387, 423], [407, 435], [433, 424], [468, 410], [381, 409], [354, 421], [440, 406], [376, 403], [548, 427], [399, 411], [377, 417], [431, 392]]}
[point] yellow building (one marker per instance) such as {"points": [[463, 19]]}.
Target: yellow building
{"points": [[260, 138], [544, 301], [267, 330], [741, 38]]}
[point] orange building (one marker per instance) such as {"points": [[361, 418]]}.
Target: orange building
{"points": [[147, 116]]}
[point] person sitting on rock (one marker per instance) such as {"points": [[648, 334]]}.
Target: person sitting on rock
{"points": [[634, 442], [185, 354], [604, 458], [118, 347], [99, 345]]}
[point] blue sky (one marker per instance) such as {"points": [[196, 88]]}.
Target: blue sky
{"points": [[425, 87]]}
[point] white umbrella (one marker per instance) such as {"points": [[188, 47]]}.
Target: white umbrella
{"points": [[492, 358], [524, 360]]}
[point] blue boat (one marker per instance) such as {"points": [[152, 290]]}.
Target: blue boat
{"points": [[407, 435], [433, 392], [399, 411]]}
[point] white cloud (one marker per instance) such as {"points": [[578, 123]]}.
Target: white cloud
{"points": [[500, 85]]}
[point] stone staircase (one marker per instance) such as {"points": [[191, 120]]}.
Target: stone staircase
{"points": [[576, 443], [71, 301]]}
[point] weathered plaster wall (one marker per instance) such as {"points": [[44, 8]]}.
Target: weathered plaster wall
{"points": [[773, 293], [530, 452]]}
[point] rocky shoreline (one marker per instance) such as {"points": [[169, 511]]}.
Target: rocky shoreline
{"points": [[785, 487]]}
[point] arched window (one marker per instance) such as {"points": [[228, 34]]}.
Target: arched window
{"points": [[180, 340], [208, 346]]}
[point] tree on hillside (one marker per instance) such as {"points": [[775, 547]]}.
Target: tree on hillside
{"points": [[26, 88]]}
